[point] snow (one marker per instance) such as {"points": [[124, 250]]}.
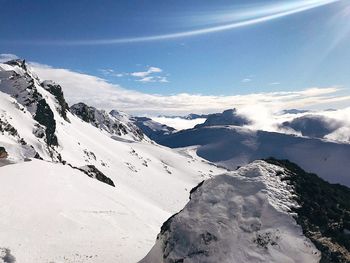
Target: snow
{"points": [[241, 216], [152, 182], [50, 212]]}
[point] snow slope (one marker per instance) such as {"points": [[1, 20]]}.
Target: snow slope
{"points": [[233, 146], [44, 202], [242, 216], [60, 215]]}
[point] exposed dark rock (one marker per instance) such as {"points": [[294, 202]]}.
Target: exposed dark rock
{"points": [[208, 238], [37, 156], [56, 90], [45, 117], [39, 131], [129, 126], [3, 153], [93, 172], [17, 62], [166, 225], [263, 240], [20, 86], [194, 189], [7, 127], [84, 112], [324, 212], [6, 256], [114, 122]]}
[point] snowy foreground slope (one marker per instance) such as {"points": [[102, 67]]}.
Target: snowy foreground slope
{"points": [[233, 146], [259, 213], [51, 211]]}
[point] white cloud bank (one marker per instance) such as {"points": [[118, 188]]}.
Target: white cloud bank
{"points": [[98, 92], [179, 123], [262, 108]]}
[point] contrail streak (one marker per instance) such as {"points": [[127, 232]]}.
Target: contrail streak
{"points": [[306, 5]]}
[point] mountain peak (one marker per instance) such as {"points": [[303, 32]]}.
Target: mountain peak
{"points": [[227, 117], [17, 62], [115, 123]]}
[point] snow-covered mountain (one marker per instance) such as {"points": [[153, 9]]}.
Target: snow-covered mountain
{"points": [[154, 130], [57, 199], [317, 126], [233, 146], [114, 123], [259, 213], [228, 117]]}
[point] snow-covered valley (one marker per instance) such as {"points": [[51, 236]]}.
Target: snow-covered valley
{"points": [[233, 146]]}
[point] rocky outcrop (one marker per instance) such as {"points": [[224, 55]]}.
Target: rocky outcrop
{"points": [[3, 153], [6, 256], [45, 117], [323, 211], [114, 122], [8, 128], [20, 85], [84, 112], [24, 86], [56, 91], [17, 62], [93, 172]]}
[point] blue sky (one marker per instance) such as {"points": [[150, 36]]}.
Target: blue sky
{"points": [[294, 52]]}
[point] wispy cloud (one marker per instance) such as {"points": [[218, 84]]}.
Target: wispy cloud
{"points": [[154, 79], [246, 80], [143, 74], [99, 93], [274, 83], [111, 72], [255, 16], [149, 75]]}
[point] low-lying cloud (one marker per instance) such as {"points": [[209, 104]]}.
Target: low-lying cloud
{"points": [[263, 109]]}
